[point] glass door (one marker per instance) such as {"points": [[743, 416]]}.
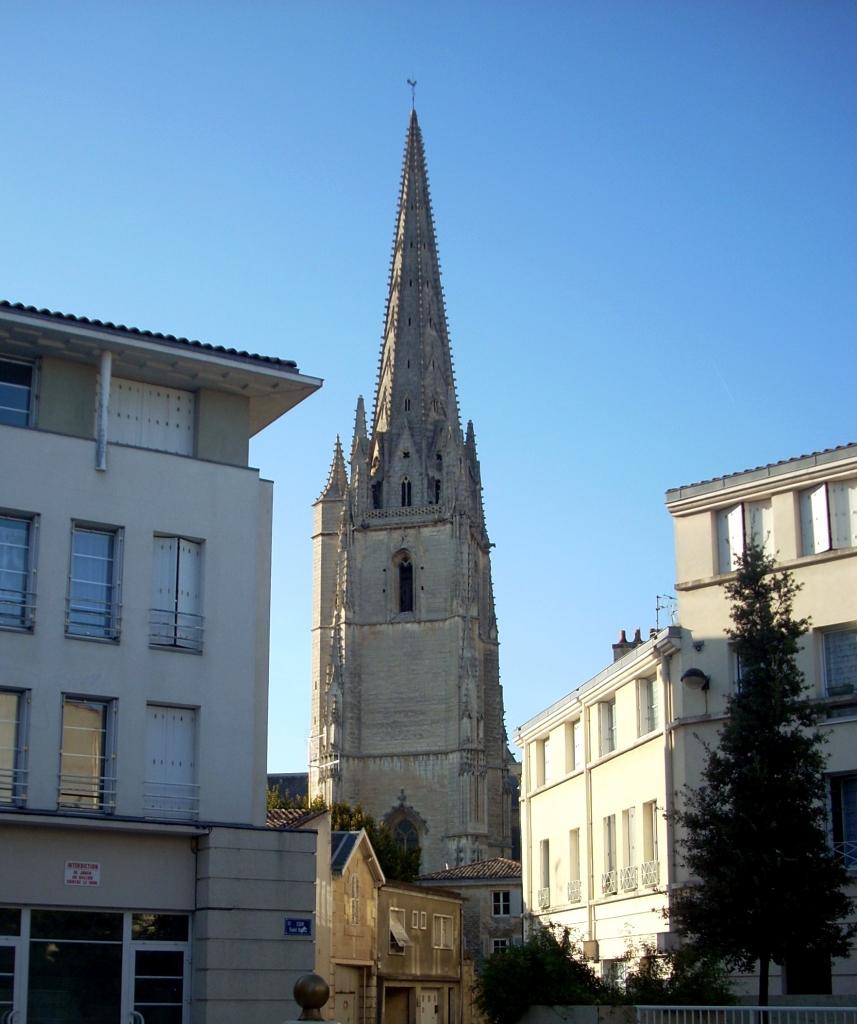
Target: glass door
{"points": [[161, 985]]}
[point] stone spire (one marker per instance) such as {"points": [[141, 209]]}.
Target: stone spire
{"points": [[337, 479], [416, 408]]}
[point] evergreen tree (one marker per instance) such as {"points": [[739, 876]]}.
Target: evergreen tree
{"points": [[754, 831]]}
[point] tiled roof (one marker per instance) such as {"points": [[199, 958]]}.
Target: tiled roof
{"points": [[289, 817], [498, 867], [769, 469], [49, 314]]}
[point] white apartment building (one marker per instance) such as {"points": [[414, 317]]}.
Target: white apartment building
{"points": [[137, 879], [602, 765]]}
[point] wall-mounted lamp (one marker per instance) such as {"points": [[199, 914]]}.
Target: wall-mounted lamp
{"points": [[696, 677]]}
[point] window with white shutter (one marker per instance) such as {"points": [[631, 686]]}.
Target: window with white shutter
{"points": [[151, 416], [175, 617], [170, 789], [828, 517]]}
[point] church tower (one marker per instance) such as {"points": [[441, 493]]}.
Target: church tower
{"points": [[407, 709]]}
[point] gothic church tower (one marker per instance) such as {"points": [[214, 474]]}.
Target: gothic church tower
{"points": [[407, 709]]}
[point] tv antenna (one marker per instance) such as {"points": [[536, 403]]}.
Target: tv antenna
{"points": [[664, 602]]}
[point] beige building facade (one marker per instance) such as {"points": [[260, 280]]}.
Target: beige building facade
{"points": [[602, 765], [134, 606], [407, 708]]}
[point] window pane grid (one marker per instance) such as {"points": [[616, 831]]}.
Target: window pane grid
{"points": [[17, 600], [13, 772], [85, 783], [15, 390], [92, 605]]}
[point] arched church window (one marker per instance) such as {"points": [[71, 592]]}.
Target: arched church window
{"points": [[437, 492], [406, 492], [407, 405], [406, 585], [406, 835], [376, 494]]}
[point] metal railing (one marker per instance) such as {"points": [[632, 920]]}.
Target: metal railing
{"points": [[170, 628], [13, 782], [17, 608], [171, 799], [544, 898], [92, 618], [574, 891], [746, 1014], [609, 883], [847, 853], [650, 872], [628, 878], [87, 792]]}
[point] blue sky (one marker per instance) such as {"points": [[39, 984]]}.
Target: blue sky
{"points": [[647, 221]]}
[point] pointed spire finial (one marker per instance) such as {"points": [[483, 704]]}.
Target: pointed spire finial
{"points": [[412, 82], [337, 479]]}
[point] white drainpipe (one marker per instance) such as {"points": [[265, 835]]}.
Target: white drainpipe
{"points": [[103, 411]]}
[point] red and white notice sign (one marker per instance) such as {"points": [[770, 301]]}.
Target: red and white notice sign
{"points": [[81, 872]]}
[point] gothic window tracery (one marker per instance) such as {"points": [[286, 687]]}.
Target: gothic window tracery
{"points": [[406, 492], [406, 835], [406, 585]]}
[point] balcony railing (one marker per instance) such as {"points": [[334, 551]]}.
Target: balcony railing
{"points": [[650, 872], [574, 891], [169, 628], [13, 781], [544, 898], [17, 608], [90, 617], [609, 883], [628, 878], [847, 853], [171, 800], [87, 792]]}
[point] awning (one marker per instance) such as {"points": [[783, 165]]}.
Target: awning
{"points": [[397, 930]]}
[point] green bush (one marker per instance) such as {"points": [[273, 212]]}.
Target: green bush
{"points": [[684, 977], [547, 970]]}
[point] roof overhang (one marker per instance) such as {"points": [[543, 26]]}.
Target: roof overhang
{"points": [[272, 387]]}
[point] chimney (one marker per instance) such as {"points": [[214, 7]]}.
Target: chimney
{"points": [[624, 645]]}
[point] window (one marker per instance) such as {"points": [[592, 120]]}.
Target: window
{"points": [[151, 416], [840, 661], [574, 886], [607, 725], [175, 618], [406, 492], [13, 747], [544, 892], [500, 903], [16, 389], [93, 586], [828, 517], [406, 835], [498, 945], [170, 789], [543, 763], [376, 494], [843, 812], [415, 919], [406, 584], [17, 597], [573, 746], [441, 931], [423, 920], [649, 867], [398, 932], [609, 879], [628, 873], [751, 522], [354, 900], [87, 759], [647, 705]]}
